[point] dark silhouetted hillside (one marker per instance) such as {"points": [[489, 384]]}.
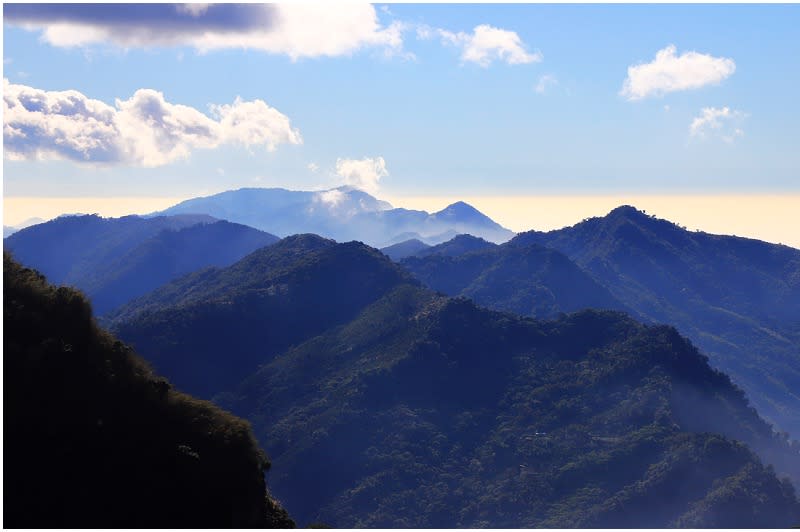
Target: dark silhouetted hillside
{"points": [[93, 439], [113, 260], [254, 309], [738, 299]]}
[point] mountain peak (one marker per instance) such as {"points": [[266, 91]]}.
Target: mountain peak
{"points": [[459, 207], [628, 211]]}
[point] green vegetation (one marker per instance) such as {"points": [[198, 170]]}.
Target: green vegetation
{"points": [[94, 439], [430, 412]]}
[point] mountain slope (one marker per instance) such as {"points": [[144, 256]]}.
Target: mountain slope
{"points": [[168, 255], [113, 260], [738, 299], [404, 249], [456, 246], [530, 281], [342, 214], [93, 439], [429, 412], [254, 309]]}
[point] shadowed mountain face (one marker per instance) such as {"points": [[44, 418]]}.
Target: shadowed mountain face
{"points": [[342, 214], [113, 260], [93, 439], [254, 309], [738, 299], [530, 281], [386, 405]]}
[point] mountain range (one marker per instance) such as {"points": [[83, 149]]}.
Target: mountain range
{"points": [[738, 299], [388, 396], [384, 404], [526, 280], [343, 214]]}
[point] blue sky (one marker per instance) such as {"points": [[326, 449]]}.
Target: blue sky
{"points": [[426, 117]]}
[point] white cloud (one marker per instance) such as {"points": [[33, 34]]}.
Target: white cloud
{"points": [[331, 198], [425, 32], [486, 44], [294, 29], [144, 130], [720, 122], [363, 173], [314, 167], [669, 72], [546, 81]]}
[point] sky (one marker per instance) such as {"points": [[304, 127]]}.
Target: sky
{"points": [[523, 109]]}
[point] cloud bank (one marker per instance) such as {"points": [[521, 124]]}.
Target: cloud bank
{"points": [[721, 122], [296, 30], [363, 173], [144, 130], [669, 72]]}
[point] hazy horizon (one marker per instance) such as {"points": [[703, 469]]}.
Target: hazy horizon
{"points": [[770, 218]]}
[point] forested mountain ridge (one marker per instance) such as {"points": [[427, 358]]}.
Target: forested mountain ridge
{"points": [[94, 439], [385, 405], [273, 298], [431, 412], [113, 260], [738, 299], [526, 280]]}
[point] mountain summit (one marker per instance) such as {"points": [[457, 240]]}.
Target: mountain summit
{"points": [[343, 213]]}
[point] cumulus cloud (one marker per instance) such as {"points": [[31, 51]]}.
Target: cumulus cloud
{"points": [[363, 173], [720, 122], [294, 29], [670, 72], [144, 130], [545, 82], [486, 44], [314, 167]]}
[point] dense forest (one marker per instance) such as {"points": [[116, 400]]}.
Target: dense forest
{"points": [[94, 439]]}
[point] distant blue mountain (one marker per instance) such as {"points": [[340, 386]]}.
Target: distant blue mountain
{"points": [[342, 214], [113, 260], [9, 230]]}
